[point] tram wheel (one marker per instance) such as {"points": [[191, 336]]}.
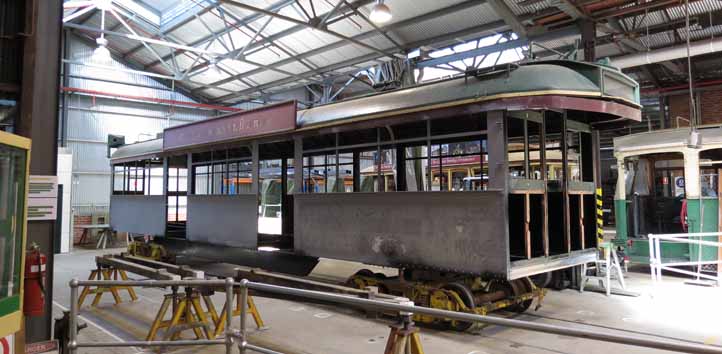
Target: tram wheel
{"points": [[467, 297], [520, 287], [357, 280], [542, 280]]}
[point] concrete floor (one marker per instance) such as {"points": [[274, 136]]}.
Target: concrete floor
{"points": [[671, 310]]}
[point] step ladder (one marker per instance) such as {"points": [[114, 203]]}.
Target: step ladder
{"points": [[606, 269]]}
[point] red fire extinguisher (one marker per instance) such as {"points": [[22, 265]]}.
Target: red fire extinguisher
{"points": [[34, 295]]}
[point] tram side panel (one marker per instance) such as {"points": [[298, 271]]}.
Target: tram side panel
{"points": [[228, 220], [460, 232], [139, 214]]}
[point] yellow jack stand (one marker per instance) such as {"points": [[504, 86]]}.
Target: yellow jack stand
{"points": [[106, 274], [221, 320], [404, 339], [187, 314]]}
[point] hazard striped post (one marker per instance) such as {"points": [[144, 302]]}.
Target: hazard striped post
{"points": [[600, 218]]}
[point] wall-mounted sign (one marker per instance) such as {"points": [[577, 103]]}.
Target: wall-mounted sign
{"points": [[261, 121], [42, 197], [678, 186]]}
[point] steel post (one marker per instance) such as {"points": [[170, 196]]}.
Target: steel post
{"points": [[229, 315], [244, 299], [73, 321]]}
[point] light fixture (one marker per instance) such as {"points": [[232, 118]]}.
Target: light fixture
{"points": [[101, 54], [380, 13]]}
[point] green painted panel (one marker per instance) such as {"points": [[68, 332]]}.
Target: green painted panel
{"points": [[671, 251], [9, 305], [703, 217], [620, 218]]}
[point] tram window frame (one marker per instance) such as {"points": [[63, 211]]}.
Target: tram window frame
{"points": [[392, 142], [136, 177], [217, 167], [526, 122]]}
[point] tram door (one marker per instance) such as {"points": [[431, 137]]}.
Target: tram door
{"points": [[275, 197]]}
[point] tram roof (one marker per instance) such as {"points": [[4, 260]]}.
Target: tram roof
{"points": [[136, 151], [642, 143], [541, 80]]}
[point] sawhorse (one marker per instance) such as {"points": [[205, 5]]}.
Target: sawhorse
{"points": [[106, 274], [404, 338], [187, 314], [220, 320]]}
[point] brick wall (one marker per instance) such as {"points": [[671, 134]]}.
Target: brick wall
{"points": [[78, 221], [710, 103]]}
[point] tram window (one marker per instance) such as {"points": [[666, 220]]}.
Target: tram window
{"points": [[318, 172], [378, 173], [118, 178], [516, 148], [456, 166], [574, 155], [344, 182], [554, 147], [416, 165], [708, 182], [534, 140], [138, 177]]}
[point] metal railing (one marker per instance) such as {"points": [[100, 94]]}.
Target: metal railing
{"points": [[402, 306], [657, 265]]}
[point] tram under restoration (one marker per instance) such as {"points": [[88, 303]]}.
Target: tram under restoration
{"points": [[470, 185]]}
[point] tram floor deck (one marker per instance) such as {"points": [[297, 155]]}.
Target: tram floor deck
{"points": [[669, 310]]}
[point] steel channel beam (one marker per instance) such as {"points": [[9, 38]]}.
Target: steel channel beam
{"points": [[136, 268]]}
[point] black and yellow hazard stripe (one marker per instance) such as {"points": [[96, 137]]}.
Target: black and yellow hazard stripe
{"points": [[600, 218]]}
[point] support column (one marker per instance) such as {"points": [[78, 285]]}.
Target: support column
{"points": [[620, 203], [38, 120], [589, 35]]}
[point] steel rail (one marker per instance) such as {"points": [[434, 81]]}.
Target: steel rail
{"points": [[467, 317]]}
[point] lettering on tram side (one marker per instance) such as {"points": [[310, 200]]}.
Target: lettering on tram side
{"points": [[261, 121]]}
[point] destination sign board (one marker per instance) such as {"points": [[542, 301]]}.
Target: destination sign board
{"points": [[256, 122]]}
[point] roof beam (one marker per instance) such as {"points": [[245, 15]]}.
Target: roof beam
{"points": [[307, 25], [444, 38], [503, 10], [497, 47], [495, 26], [248, 19], [569, 8]]}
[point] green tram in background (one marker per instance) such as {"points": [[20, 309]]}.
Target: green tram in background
{"points": [[668, 182]]}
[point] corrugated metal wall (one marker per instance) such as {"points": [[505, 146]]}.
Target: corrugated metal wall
{"points": [[90, 119]]}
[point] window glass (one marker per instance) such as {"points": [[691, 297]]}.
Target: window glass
{"points": [[516, 147], [574, 156], [12, 204], [554, 148], [457, 166], [118, 178], [708, 182], [416, 166], [534, 141]]}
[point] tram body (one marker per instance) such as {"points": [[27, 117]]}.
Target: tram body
{"points": [[666, 185], [489, 174]]}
